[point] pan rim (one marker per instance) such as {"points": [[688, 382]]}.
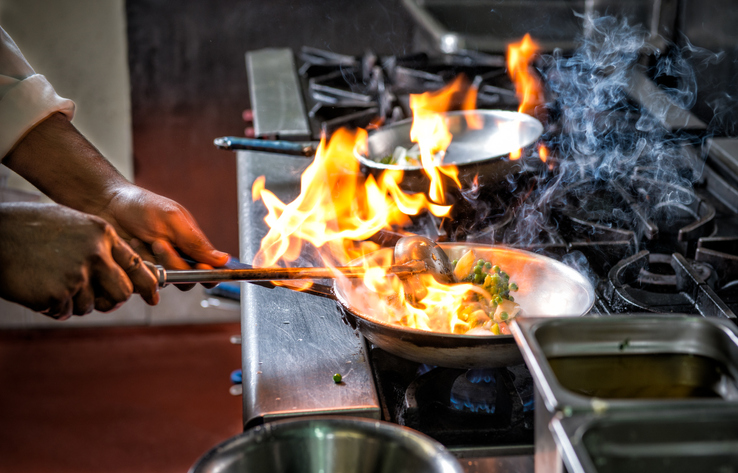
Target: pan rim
{"points": [[522, 117]]}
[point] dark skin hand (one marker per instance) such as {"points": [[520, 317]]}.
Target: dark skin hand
{"points": [[61, 163], [61, 262]]}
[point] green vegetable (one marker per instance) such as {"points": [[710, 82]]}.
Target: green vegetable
{"points": [[387, 160], [493, 280], [337, 378]]}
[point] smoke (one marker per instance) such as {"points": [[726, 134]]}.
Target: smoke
{"points": [[601, 138]]}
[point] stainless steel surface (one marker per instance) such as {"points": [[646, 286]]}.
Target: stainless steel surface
{"points": [[655, 101], [329, 445], [542, 339], [726, 150], [498, 463], [546, 288], [293, 343], [275, 95], [421, 249], [185, 276], [671, 441], [490, 25]]}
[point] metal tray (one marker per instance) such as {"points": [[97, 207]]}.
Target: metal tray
{"points": [[685, 362], [677, 441]]}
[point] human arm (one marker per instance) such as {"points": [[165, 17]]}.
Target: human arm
{"points": [[60, 162]]}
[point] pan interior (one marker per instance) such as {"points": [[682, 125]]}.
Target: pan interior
{"points": [[478, 135], [547, 288]]}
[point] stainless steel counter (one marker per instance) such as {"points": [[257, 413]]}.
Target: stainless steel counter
{"points": [[293, 343]]}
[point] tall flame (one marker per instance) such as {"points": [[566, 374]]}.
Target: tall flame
{"points": [[430, 132], [527, 85], [337, 207]]}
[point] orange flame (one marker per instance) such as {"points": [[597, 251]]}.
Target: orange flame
{"points": [[431, 133], [443, 308], [527, 85], [337, 208], [543, 153]]}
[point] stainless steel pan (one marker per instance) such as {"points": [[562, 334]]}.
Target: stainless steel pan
{"points": [[547, 288], [481, 152], [478, 152]]}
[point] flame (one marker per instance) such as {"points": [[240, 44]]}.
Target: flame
{"points": [[527, 85], [543, 153], [430, 132], [337, 208], [440, 309]]}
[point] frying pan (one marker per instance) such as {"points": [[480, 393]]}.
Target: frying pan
{"points": [[475, 151], [482, 141], [547, 288]]}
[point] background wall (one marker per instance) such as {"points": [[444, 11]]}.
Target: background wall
{"points": [[81, 47], [189, 84]]}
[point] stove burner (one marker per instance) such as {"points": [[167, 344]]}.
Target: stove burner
{"points": [[454, 406], [722, 254], [475, 391], [680, 222], [640, 283], [367, 91]]}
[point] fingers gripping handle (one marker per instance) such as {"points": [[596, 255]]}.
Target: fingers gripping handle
{"points": [[159, 272]]}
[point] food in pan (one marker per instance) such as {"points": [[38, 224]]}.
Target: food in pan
{"points": [[478, 302], [409, 157], [485, 314]]}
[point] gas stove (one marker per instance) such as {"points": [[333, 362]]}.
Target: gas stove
{"points": [[677, 255]]}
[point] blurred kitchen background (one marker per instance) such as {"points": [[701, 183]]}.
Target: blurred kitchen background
{"points": [[156, 80]]}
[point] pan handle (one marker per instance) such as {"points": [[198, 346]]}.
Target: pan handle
{"points": [[270, 146], [321, 290]]}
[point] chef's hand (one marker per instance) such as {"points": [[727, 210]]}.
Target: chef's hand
{"points": [[61, 262], [58, 160], [156, 227]]}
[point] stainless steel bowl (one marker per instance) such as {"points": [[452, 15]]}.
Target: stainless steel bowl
{"points": [[328, 445]]}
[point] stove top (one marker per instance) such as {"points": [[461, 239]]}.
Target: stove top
{"points": [[648, 245]]}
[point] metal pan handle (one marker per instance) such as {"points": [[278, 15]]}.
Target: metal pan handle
{"points": [[294, 148]]}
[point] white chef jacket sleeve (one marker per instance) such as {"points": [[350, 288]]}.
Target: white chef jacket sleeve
{"points": [[26, 98]]}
